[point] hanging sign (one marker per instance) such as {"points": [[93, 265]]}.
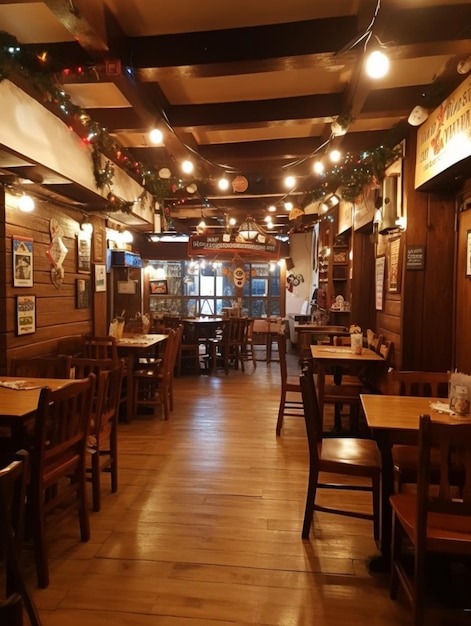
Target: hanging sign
{"points": [[226, 244]]}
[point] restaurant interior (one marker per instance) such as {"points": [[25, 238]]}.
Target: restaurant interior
{"points": [[235, 385]]}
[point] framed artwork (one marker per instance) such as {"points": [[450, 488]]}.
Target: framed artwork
{"points": [[22, 252], [158, 287], [393, 266], [379, 282], [100, 277], [82, 293], [83, 253], [126, 287], [98, 246], [468, 253], [341, 256], [25, 315]]}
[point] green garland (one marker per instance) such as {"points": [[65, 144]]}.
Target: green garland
{"points": [[356, 170]]}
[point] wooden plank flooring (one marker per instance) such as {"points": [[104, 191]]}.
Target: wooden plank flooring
{"points": [[205, 529]]}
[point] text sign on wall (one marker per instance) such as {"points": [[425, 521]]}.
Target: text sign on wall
{"points": [[415, 257], [225, 244], [445, 138]]}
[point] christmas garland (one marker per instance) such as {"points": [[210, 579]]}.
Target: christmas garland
{"points": [[348, 177]]}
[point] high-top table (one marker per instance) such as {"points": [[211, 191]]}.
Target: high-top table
{"points": [[326, 356], [395, 420], [130, 347], [18, 406]]}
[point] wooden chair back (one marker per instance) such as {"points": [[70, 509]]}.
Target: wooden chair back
{"points": [[41, 367], [61, 429], [13, 482], [71, 346], [105, 347], [415, 383]]}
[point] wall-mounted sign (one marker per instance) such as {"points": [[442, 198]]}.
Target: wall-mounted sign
{"points": [[225, 244], [415, 257], [445, 138]]}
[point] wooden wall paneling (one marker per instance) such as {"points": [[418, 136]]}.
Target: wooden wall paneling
{"points": [[3, 284], [462, 355], [363, 283], [56, 312]]}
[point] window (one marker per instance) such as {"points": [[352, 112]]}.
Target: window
{"points": [[205, 288]]}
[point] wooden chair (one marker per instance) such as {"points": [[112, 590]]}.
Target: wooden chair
{"points": [[289, 406], [13, 481], [433, 521], [153, 384], [341, 456], [411, 383], [103, 436], [95, 347], [71, 346], [247, 349], [41, 367], [58, 464], [189, 350], [344, 388]]}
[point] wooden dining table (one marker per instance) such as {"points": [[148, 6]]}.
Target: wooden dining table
{"points": [[329, 356], [18, 405], [395, 420], [130, 347]]}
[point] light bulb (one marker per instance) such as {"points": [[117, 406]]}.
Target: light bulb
{"points": [[187, 167], [156, 136], [377, 64], [290, 182], [26, 203], [318, 167], [334, 156], [223, 184]]}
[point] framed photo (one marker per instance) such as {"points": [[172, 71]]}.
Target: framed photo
{"points": [[83, 253], [22, 252], [126, 287], [100, 277], [468, 253], [158, 287], [25, 315], [82, 293], [98, 246], [379, 282], [340, 257]]}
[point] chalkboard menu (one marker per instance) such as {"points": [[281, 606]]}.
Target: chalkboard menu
{"points": [[415, 257]]}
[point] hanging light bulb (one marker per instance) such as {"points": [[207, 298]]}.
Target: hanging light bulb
{"points": [[289, 206], [26, 203], [377, 64], [290, 182], [318, 167], [187, 167], [156, 136], [334, 156], [223, 184]]}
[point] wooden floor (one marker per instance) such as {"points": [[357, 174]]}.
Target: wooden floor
{"points": [[205, 529]]}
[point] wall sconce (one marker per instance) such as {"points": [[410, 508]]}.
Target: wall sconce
{"points": [[26, 203]]}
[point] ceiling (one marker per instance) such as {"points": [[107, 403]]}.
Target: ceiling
{"points": [[250, 91]]}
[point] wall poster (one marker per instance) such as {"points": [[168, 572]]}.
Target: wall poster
{"points": [[393, 267], [83, 252], [379, 281], [22, 249], [25, 315]]}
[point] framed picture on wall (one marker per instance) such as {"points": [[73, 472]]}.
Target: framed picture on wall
{"points": [[468, 253], [83, 253], [22, 252], [100, 277], [379, 282], [82, 293], [158, 287], [25, 315]]}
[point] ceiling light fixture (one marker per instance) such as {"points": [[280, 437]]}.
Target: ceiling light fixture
{"points": [[26, 203], [335, 156], [290, 182], [250, 230], [464, 67], [156, 136], [187, 167], [318, 167], [223, 184], [377, 64], [418, 115]]}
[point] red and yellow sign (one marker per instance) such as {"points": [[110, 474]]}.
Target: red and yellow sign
{"points": [[225, 244]]}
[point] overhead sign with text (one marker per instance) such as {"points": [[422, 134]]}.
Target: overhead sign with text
{"points": [[262, 246]]}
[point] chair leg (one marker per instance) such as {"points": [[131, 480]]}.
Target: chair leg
{"points": [[84, 519], [310, 502], [96, 491], [395, 551], [376, 493], [39, 539], [281, 412], [114, 462]]}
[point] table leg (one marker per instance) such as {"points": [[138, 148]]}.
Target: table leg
{"points": [[382, 563], [131, 361], [321, 388]]}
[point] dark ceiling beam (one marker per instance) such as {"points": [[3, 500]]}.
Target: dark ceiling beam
{"points": [[241, 44], [84, 20]]}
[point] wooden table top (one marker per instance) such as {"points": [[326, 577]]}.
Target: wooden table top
{"points": [[343, 353], [140, 342], [403, 412], [23, 402]]}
